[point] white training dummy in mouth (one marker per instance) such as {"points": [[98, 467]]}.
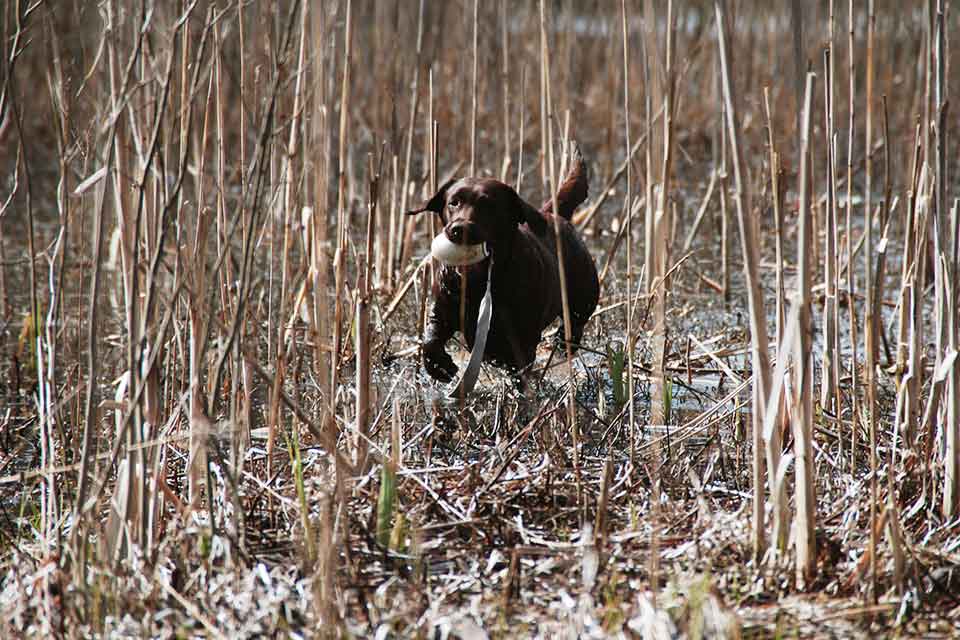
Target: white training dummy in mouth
{"points": [[456, 255]]}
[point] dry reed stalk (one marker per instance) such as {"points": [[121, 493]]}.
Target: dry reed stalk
{"points": [[288, 209], [35, 336], [659, 276], [848, 237], [240, 375], [830, 368], [393, 226], [805, 487], [724, 191], [505, 84], [363, 329], [772, 437], [951, 454], [522, 117], [56, 314], [125, 495], [340, 255], [759, 347], [945, 276], [473, 94], [324, 580], [318, 253], [431, 160], [546, 122], [406, 249], [913, 255], [627, 215], [870, 323], [603, 502], [701, 211]]}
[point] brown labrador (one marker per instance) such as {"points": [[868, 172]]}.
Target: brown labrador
{"points": [[486, 220]]}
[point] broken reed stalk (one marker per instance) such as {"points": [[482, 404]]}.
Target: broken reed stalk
{"points": [[547, 124], [759, 347], [805, 489]]}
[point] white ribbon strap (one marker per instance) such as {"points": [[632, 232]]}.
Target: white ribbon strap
{"points": [[469, 378]]}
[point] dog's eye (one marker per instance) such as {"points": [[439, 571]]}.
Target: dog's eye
{"points": [[454, 203]]}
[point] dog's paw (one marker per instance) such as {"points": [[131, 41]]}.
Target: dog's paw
{"points": [[439, 364]]}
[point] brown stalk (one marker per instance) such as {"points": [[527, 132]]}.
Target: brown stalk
{"points": [[473, 96], [290, 207], [870, 323], [318, 253], [851, 277], [628, 225], [773, 442], [406, 249], [759, 348], [364, 294], [805, 489], [830, 374], [547, 125], [505, 84], [340, 256], [945, 275]]}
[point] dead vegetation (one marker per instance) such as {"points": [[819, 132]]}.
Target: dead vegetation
{"points": [[213, 420]]}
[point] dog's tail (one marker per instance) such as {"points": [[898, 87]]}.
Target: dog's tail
{"points": [[573, 191]]}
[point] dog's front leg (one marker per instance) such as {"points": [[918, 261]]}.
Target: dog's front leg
{"points": [[439, 330]]}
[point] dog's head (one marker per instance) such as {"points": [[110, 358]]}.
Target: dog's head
{"points": [[477, 212]]}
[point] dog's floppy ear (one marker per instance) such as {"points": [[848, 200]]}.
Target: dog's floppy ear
{"points": [[437, 202], [525, 212]]}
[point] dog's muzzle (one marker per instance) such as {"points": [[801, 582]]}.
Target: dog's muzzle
{"points": [[456, 255]]}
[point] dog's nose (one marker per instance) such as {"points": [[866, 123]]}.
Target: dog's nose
{"points": [[455, 232]]}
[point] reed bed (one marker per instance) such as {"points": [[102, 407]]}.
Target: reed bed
{"points": [[213, 417]]}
